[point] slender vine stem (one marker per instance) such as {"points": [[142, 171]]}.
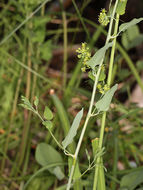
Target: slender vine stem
{"points": [[91, 104], [105, 113]]}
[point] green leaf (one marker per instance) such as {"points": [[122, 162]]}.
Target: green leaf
{"points": [[132, 32], [98, 56], [48, 113], [40, 21], [132, 180], [46, 50], [104, 103], [91, 75], [26, 107], [73, 130], [48, 124], [121, 7], [26, 104], [46, 155], [132, 37], [36, 101], [38, 36], [38, 173], [58, 173], [41, 182], [126, 25], [139, 65]]}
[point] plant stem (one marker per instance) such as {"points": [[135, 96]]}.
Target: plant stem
{"points": [[115, 157], [113, 52], [65, 47], [105, 113], [91, 105], [26, 113]]}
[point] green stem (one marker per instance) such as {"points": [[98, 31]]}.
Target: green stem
{"points": [[59, 145], [65, 48], [115, 158], [103, 121], [91, 104], [113, 52], [26, 113]]}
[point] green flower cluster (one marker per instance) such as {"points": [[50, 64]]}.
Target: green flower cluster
{"points": [[103, 18], [85, 55], [103, 89]]}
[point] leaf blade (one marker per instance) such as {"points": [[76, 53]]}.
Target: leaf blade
{"points": [[48, 113], [47, 155], [104, 103], [121, 7], [98, 56], [73, 130], [126, 25]]}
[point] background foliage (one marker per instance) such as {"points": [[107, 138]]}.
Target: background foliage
{"points": [[40, 59]]}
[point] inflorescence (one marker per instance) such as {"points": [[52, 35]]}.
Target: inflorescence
{"points": [[85, 55], [103, 18]]}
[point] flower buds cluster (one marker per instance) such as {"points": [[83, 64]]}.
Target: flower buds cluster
{"points": [[103, 18], [84, 54], [103, 89]]}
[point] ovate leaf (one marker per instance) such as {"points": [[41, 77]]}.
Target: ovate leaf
{"points": [[98, 56], [73, 130], [48, 113], [121, 7], [132, 180], [46, 155], [131, 37], [26, 104], [126, 25], [48, 124], [58, 173], [104, 103]]}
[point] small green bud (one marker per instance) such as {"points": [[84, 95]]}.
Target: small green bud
{"points": [[106, 88], [83, 69]]}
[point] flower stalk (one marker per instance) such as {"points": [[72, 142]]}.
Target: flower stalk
{"points": [[89, 114], [105, 113]]}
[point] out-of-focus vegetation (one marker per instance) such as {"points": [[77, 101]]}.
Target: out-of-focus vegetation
{"points": [[38, 58]]}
